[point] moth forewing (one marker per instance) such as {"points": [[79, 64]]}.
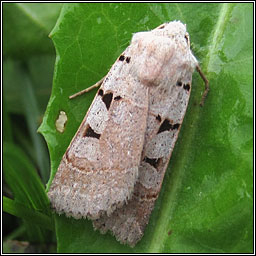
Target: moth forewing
{"points": [[100, 167]]}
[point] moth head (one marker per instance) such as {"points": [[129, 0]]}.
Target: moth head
{"points": [[174, 30]]}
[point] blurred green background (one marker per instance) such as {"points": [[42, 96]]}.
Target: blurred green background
{"points": [[28, 65], [207, 196]]}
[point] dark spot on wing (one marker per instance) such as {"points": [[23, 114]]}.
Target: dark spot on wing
{"points": [[152, 161], [167, 126], [128, 59], [89, 132], [175, 126], [158, 117], [118, 98], [107, 99], [121, 58], [161, 27], [100, 92], [179, 83], [186, 87]]}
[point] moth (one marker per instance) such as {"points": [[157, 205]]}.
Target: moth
{"points": [[114, 167]]}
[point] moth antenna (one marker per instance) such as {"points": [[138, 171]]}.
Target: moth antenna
{"points": [[87, 89]]}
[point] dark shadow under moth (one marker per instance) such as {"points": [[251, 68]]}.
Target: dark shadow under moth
{"points": [[114, 167]]}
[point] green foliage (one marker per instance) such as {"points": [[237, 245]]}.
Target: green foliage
{"points": [[26, 28], [206, 202], [28, 71], [27, 77], [28, 214], [28, 192]]}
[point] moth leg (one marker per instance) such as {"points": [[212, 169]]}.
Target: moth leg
{"points": [[87, 89], [207, 88]]}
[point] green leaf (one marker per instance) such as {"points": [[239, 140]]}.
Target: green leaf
{"points": [[19, 73], [28, 214], [206, 202], [27, 188], [26, 27], [39, 69], [7, 128]]}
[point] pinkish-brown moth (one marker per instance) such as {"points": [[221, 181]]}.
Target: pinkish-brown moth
{"points": [[114, 167]]}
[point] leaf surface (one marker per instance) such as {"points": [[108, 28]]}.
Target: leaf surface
{"points": [[26, 27], [28, 192]]}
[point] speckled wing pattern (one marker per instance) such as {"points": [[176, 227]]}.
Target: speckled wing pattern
{"points": [[100, 167], [168, 102], [113, 170]]}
